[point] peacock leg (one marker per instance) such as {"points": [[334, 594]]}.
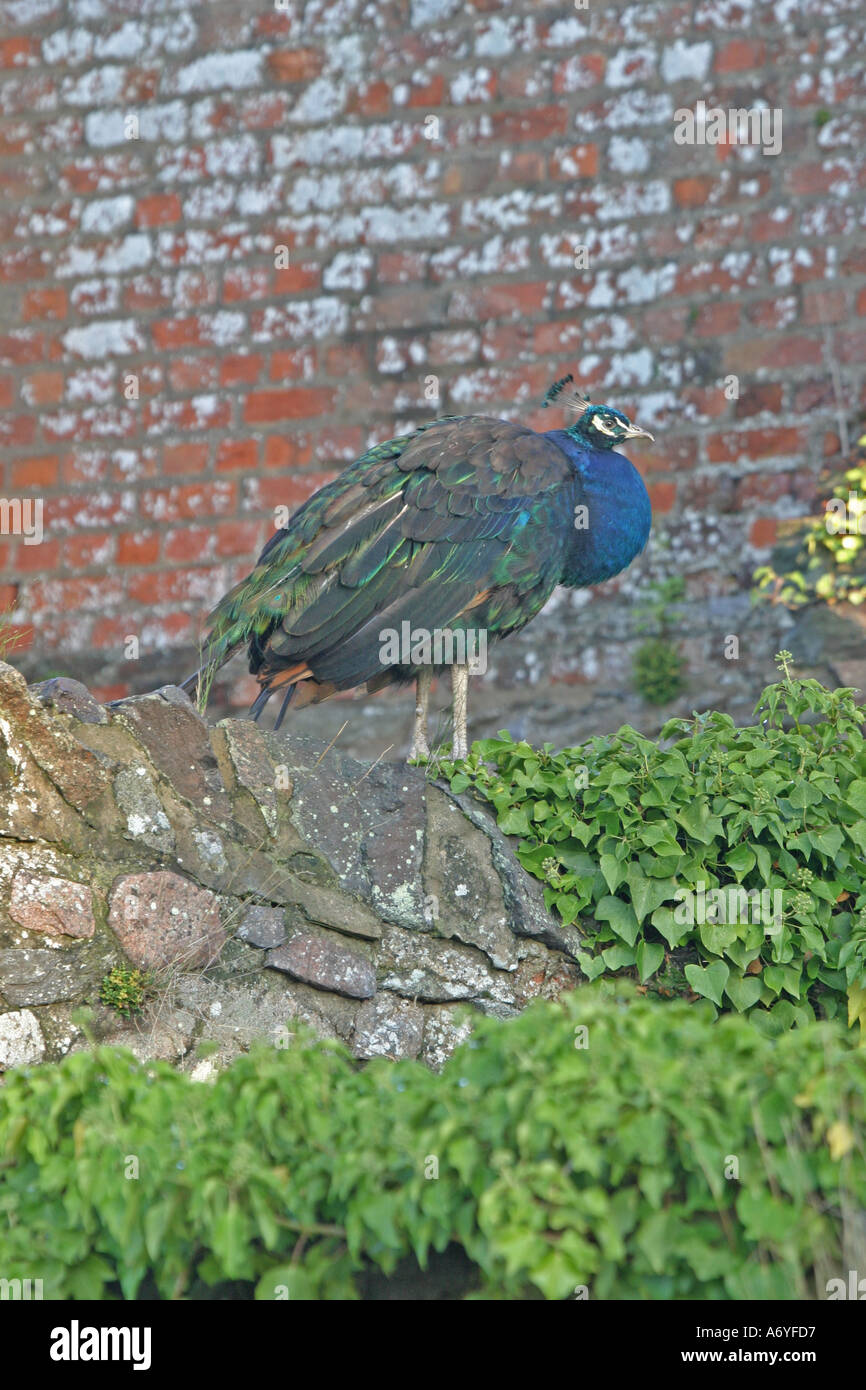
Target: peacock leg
{"points": [[420, 746], [459, 704]]}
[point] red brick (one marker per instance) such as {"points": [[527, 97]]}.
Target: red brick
{"points": [[295, 278], [824, 306], [44, 304], [662, 496], [372, 99], [296, 365], [426, 92], [401, 267], [238, 538], [247, 282], [16, 53], [851, 346], [538, 124], [176, 333], [241, 369], [577, 162], [36, 472], [763, 531], [715, 319], [22, 347], [88, 552], [17, 429], [237, 454], [189, 543], [188, 501], [158, 210], [43, 388], [295, 64], [178, 459], [793, 350], [265, 494], [346, 359], [40, 559], [298, 403], [755, 444], [579, 71], [482, 302], [138, 548], [692, 192], [194, 373], [757, 397], [739, 54]]}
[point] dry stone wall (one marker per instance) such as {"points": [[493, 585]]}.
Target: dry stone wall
{"points": [[258, 880]]}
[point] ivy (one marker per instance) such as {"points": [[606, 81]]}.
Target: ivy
{"points": [[825, 559], [735, 856], [607, 1143]]}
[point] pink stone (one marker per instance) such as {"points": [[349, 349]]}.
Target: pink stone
{"points": [[56, 906], [163, 919]]}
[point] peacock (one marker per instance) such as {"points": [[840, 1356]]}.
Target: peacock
{"points": [[463, 527]]}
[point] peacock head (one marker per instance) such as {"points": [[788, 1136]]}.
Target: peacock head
{"points": [[599, 426]]}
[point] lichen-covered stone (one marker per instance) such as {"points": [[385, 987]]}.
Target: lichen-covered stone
{"points": [[253, 769], [388, 1027], [21, 1040], [41, 975], [27, 728], [146, 820], [55, 906], [263, 926], [176, 740], [321, 960], [70, 697], [162, 919], [267, 880]]}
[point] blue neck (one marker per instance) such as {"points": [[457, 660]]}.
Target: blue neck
{"points": [[616, 524]]}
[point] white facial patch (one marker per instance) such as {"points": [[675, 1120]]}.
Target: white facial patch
{"points": [[605, 429]]}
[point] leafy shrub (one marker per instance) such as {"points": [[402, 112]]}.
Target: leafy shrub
{"points": [[627, 834], [124, 989], [607, 1141], [658, 670], [826, 558]]}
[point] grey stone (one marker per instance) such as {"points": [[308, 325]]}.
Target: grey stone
{"points": [[21, 1040], [43, 976], [388, 1027], [263, 926], [146, 820], [70, 697], [248, 754], [175, 738], [446, 1026], [318, 959], [462, 883]]}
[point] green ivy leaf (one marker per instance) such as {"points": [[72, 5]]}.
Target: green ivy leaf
{"points": [[648, 957], [708, 981]]}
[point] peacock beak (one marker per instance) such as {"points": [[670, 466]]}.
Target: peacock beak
{"points": [[635, 432]]}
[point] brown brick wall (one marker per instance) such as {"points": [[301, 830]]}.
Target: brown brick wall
{"points": [[430, 167]]}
